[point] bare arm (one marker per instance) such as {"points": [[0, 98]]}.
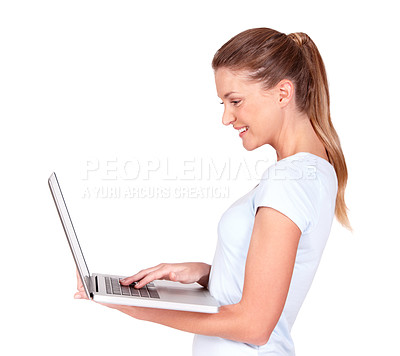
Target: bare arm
{"points": [[269, 269]]}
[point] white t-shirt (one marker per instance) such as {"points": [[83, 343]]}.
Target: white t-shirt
{"points": [[303, 187]]}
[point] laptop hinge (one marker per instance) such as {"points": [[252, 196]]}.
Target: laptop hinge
{"points": [[93, 285]]}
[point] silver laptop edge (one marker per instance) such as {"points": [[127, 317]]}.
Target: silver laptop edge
{"points": [[71, 235]]}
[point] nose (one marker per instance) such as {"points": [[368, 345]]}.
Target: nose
{"points": [[228, 118]]}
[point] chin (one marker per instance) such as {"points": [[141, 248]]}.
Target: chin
{"points": [[249, 147]]}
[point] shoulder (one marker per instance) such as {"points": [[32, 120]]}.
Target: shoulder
{"points": [[302, 165], [303, 171], [297, 186]]}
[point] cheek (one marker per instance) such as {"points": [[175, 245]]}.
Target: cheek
{"points": [[263, 127], [258, 119], [267, 117]]}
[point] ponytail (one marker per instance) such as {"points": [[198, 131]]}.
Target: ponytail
{"points": [[318, 109], [270, 56]]}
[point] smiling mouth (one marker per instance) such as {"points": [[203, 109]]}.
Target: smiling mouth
{"points": [[243, 130]]}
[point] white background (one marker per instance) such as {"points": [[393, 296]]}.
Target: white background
{"points": [[97, 81]]}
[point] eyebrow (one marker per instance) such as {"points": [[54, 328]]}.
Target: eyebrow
{"points": [[228, 94]]}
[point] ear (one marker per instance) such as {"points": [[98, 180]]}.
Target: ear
{"points": [[285, 90]]}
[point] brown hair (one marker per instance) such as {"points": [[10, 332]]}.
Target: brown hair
{"points": [[270, 56]]}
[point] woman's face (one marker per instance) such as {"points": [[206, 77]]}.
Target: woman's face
{"points": [[252, 110]]}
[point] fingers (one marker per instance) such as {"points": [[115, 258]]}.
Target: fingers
{"points": [[81, 293], [78, 279], [138, 276], [177, 272], [157, 274], [162, 271]]}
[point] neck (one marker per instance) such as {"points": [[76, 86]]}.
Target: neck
{"points": [[297, 135]]}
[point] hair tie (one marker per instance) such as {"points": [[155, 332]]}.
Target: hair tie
{"points": [[299, 38]]}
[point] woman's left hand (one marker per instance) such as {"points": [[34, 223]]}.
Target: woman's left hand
{"points": [[131, 311], [80, 294]]}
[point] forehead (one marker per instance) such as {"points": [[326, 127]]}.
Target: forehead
{"points": [[228, 81]]}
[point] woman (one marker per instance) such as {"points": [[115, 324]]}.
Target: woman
{"points": [[274, 90]]}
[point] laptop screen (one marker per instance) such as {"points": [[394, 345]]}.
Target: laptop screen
{"points": [[70, 232]]}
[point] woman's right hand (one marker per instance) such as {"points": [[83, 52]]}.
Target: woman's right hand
{"points": [[188, 272]]}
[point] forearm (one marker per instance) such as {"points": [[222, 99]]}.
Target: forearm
{"points": [[234, 322], [230, 323]]}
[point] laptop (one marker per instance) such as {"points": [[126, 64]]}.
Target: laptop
{"points": [[106, 288]]}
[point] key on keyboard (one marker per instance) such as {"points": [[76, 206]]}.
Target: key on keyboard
{"points": [[113, 287]]}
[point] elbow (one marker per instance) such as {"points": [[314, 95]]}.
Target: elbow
{"points": [[256, 333], [248, 327], [258, 330], [258, 338]]}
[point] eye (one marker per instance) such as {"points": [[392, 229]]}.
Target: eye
{"points": [[235, 102]]}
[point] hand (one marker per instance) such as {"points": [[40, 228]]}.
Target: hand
{"points": [[80, 294], [189, 272]]}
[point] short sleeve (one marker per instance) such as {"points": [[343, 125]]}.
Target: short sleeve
{"points": [[293, 195]]}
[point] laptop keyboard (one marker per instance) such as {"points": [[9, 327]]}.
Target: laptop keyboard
{"points": [[113, 287]]}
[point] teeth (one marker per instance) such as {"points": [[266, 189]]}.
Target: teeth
{"points": [[243, 129]]}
